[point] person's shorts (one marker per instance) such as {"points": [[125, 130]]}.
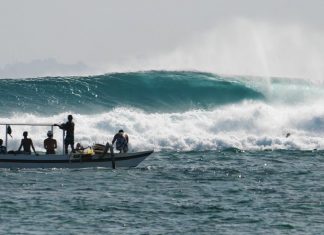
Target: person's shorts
{"points": [[123, 148], [69, 140]]}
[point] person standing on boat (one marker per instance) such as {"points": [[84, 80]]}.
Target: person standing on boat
{"points": [[50, 144], [121, 140], [2, 148], [69, 137], [26, 143]]}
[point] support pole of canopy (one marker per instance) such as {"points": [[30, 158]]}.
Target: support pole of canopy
{"points": [[6, 137], [63, 143]]}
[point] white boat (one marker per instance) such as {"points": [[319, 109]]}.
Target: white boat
{"points": [[77, 160], [72, 161]]}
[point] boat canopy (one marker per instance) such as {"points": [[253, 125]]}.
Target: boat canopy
{"points": [[8, 130]]}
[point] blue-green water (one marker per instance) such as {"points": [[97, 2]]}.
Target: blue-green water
{"points": [[170, 110], [157, 91], [223, 161], [210, 192]]}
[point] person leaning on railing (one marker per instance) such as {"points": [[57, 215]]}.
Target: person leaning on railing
{"points": [[68, 127]]}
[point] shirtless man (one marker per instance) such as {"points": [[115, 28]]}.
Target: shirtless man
{"points": [[50, 144], [26, 143]]}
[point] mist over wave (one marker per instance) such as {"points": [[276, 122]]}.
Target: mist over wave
{"points": [[243, 47]]}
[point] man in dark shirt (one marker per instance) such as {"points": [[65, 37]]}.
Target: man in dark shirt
{"points": [[69, 137], [121, 140], [26, 143]]}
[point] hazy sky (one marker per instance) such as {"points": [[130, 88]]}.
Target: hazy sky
{"points": [[101, 34]]}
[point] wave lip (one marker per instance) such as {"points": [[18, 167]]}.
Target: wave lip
{"points": [[153, 91]]}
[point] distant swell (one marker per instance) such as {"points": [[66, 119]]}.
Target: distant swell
{"points": [[154, 91]]}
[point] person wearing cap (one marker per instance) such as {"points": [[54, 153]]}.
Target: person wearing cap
{"points": [[26, 143], [121, 140], [68, 127], [50, 144]]}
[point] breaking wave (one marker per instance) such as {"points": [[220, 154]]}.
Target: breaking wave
{"points": [[173, 111], [155, 91]]}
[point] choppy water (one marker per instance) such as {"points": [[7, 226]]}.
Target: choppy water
{"points": [[280, 192]]}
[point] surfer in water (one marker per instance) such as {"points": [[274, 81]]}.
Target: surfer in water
{"points": [[121, 140], [69, 137], [26, 143]]}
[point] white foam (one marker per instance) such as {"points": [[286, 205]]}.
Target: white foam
{"points": [[248, 126]]}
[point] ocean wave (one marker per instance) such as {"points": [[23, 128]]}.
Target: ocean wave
{"points": [[153, 91], [251, 125], [171, 111]]}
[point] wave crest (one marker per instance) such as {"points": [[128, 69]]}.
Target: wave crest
{"points": [[154, 91]]}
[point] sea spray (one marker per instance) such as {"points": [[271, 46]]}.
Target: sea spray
{"points": [[251, 125], [243, 47]]}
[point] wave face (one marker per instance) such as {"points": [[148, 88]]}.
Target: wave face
{"points": [[170, 111], [149, 91]]}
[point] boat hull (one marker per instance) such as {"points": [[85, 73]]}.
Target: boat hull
{"points": [[123, 160]]}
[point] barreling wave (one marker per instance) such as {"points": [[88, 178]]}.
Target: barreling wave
{"points": [[153, 91], [173, 111]]}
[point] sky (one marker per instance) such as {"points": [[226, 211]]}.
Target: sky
{"points": [[249, 37]]}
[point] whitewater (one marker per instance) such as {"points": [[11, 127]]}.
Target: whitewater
{"points": [[171, 110]]}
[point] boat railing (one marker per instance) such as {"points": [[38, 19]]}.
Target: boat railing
{"points": [[8, 125]]}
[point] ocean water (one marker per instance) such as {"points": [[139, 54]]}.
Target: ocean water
{"points": [[207, 192], [222, 161]]}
